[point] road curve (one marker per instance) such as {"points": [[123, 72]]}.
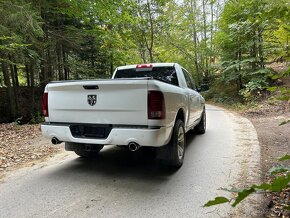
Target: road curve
{"points": [[123, 184]]}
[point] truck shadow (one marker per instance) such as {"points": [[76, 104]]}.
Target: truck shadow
{"points": [[121, 162], [115, 164], [113, 159]]}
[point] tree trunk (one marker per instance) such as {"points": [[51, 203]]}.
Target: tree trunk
{"points": [[287, 47], [14, 88], [151, 55], [253, 50], [31, 69], [66, 70], [59, 61], [49, 66], [16, 76], [142, 51], [7, 83], [27, 75], [212, 57], [150, 47], [205, 38], [260, 47], [12, 75], [46, 51], [239, 80], [42, 73], [67, 67], [111, 63], [194, 38]]}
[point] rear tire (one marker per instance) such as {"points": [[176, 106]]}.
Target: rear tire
{"points": [[201, 127], [82, 150], [176, 146]]}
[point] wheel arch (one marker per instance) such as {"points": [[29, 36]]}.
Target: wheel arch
{"points": [[180, 115]]}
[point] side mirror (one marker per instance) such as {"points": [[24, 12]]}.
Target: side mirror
{"points": [[204, 87]]}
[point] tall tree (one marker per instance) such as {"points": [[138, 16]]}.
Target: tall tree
{"points": [[244, 26]]}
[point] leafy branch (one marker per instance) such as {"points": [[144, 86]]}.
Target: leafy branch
{"points": [[277, 185]]}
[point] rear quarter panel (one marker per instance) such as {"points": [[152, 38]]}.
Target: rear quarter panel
{"points": [[175, 99]]}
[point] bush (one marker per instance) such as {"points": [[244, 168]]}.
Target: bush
{"points": [[253, 89], [222, 92], [37, 117]]}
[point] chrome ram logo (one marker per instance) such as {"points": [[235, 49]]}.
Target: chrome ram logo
{"points": [[92, 99]]}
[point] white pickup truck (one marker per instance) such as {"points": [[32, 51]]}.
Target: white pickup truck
{"points": [[142, 105]]}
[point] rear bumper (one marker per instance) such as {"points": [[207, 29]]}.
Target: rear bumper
{"points": [[118, 136]]}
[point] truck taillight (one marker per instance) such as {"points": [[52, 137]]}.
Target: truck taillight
{"points": [[45, 104], [156, 105]]}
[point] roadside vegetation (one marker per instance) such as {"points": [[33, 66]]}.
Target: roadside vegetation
{"points": [[278, 187]]}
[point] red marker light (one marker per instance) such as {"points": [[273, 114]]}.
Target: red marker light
{"points": [[144, 66]]}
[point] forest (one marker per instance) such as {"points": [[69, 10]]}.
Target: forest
{"points": [[226, 44]]}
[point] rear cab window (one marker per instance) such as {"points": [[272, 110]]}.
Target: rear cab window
{"points": [[165, 74]]}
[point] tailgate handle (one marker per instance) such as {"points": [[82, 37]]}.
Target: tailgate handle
{"points": [[91, 87]]}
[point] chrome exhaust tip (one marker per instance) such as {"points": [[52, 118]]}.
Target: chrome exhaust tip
{"points": [[133, 146]]}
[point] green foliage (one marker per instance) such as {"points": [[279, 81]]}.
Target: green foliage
{"points": [[277, 185], [284, 122], [222, 92], [19, 25], [10, 44], [253, 88], [286, 157], [36, 118], [278, 169], [282, 181], [245, 42], [272, 88], [242, 195], [282, 93], [217, 200]]}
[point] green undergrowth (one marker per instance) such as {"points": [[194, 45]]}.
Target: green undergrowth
{"points": [[264, 100]]}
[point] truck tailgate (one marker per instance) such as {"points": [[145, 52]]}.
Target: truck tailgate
{"points": [[99, 102]]}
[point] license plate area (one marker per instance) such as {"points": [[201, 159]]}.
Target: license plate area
{"points": [[90, 131]]}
